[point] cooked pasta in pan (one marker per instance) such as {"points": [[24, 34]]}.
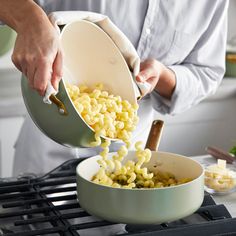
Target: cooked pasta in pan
{"points": [[112, 117]]}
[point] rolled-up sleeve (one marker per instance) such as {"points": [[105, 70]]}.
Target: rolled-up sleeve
{"points": [[200, 74]]}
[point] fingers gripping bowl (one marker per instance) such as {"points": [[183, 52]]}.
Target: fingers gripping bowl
{"points": [[143, 206]]}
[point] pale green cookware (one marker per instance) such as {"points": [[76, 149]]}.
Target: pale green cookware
{"points": [[143, 206], [7, 39], [90, 57]]}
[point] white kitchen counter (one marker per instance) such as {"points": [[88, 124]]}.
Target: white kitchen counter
{"points": [[228, 200]]}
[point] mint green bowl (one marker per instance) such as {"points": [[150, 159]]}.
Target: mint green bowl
{"points": [[143, 206], [90, 57], [69, 129], [7, 39]]}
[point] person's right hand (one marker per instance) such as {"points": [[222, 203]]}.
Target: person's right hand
{"points": [[38, 54]]}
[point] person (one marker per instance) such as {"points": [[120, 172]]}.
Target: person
{"points": [[181, 45]]}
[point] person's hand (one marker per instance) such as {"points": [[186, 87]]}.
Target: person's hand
{"points": [[150, 71], [38, 55], [158, 76]]}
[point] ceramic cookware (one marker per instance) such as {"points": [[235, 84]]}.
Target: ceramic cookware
{"points": [[90, 57], [143, 206]]}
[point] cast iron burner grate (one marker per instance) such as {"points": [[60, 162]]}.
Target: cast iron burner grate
{"points": [[47, 205]]}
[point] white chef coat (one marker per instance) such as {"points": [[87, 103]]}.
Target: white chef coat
{"points": [[187, 36]]}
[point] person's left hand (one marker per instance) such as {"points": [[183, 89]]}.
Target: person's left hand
{"points": [[150, 72], [160, 77]]}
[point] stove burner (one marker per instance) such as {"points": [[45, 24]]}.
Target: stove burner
{"points": [[48, 205]]}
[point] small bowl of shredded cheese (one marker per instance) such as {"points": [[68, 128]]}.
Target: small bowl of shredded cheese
{"points": [[219, 178]]}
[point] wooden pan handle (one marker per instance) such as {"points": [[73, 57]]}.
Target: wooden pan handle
{"points": [[155, 135], [220, 154]]}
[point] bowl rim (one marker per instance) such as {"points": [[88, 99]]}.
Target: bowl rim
{"points": [[201, 176]]}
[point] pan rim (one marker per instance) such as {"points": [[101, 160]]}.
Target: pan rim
{"points": [[201, 176]]}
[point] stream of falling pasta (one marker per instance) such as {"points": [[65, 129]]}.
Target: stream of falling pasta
{"points": [[112, 117]]}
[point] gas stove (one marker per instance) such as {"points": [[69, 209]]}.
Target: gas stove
{"points": [[47, 205]]}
